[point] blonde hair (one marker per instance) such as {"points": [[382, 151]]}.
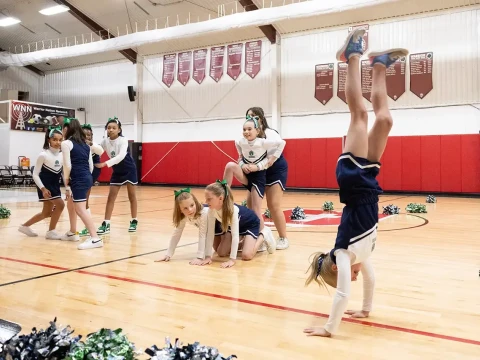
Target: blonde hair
{"points": [[218, 189], [177, 212], [321, 270]]}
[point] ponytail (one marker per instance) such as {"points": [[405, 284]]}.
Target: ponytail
{"points": [[321, 270]]}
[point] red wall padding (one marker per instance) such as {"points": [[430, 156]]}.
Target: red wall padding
{"points": [[438, 163]]}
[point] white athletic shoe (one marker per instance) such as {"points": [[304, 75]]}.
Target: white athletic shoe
{"points": [[27, 231], [282, 243], [91, 243], [269, 240], [69, 236], [53, 235]]}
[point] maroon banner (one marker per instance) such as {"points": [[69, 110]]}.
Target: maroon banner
{"points": [[199, 65], [29, 116], [184, 61], [342, 78], [216, 62], [234, 65], [396, 79], [169, 69], [421, 68], [365, 36], [324, 82], [253, 56], [366, 76]]}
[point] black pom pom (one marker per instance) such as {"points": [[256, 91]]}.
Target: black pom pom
{"points": [[298, 214], [391, 210], [178, 351], [431, 199]]}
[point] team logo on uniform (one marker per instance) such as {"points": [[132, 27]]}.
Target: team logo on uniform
{"points": [[112, 154], [314, 217], [251, 154], [57, 163]]}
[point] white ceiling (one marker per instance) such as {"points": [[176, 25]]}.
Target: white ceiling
{"points": [[120, 16]]}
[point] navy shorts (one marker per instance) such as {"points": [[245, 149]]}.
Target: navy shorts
{"points": [[249, 223], [257, 180], [54, 191], [278, 173], [80, 189], [356, 178]]}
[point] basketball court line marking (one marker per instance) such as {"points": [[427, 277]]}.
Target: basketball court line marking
{"points": [[238, 300]]}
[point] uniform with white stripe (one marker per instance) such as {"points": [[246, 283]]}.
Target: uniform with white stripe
{"points": [[121, 161], [357, 232], [47, 173], [255, 152]]}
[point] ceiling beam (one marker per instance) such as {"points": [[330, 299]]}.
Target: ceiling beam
{"points": [[130, 54], [31, 68], [268, 30]]}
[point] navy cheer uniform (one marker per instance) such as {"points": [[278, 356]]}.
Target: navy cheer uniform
{"points": [[255, 152], [47, 173], [79, 160], [244, 222], [97, 151], [278, 172], [359, 192], [121, 161]]}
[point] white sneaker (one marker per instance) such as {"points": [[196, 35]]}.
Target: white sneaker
{"points": [[69, 236], [52, 235], [269, 240], [27, 231], [282, 243], [91, 243]]}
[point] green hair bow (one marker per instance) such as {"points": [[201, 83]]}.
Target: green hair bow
{"points": [[254, 119], [54, 129], [224, 185], [87, 126], [186, 190], [66, 121]]}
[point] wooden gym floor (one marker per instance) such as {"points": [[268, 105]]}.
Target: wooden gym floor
{"points": [[426, 303]]}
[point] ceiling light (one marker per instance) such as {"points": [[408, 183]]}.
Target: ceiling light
{"points": [[54, 10], [9, 21]]}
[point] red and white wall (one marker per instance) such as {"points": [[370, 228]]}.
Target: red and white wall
{"points": [[434, 144]]}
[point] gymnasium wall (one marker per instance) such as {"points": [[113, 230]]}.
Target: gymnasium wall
{"points": [[435, 143], [188, 131], [14, 78]]}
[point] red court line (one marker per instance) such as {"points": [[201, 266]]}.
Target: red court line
{"points": [[258, 303]]}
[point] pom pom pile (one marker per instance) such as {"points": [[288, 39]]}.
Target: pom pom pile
{"points": [[267, 214], [391, 210], [327, 206], [244, 203], [4, 212], [58, 343], [298, 214], [431, 199], [416, 208], [193, 351]]}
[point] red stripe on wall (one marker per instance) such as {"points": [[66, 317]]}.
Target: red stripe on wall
{"points": [[441, 163]]}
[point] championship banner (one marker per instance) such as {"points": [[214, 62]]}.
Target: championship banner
{"points": [[29, 116]]}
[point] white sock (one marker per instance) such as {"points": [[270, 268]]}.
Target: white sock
{"points": [[107, 221], [88, 211]]}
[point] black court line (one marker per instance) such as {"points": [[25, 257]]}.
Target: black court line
{"points": [[86, 266], [425, 222]]}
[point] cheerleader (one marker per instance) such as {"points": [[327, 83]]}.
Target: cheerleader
{"points": [[188, 210], [124, 172], [276, 178], [227, 222], [251, 169], [46, 175], [77, 174], [97, 151], [357, 169]]}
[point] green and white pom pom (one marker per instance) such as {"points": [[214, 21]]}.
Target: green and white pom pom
{"points": [[4, 212], [431, 199], [327, 206], [298, 214], [416, 208], [267, 214], [244, 202], [104, 344]]}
